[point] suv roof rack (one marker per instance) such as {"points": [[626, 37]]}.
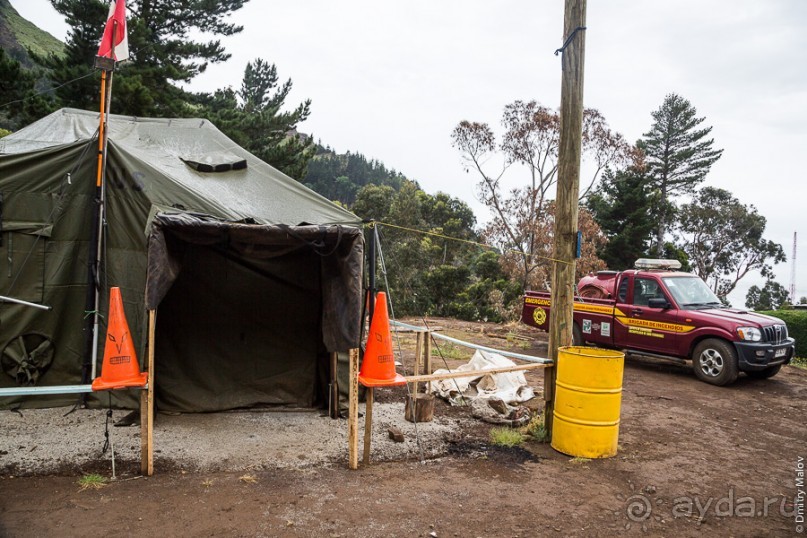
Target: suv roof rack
{"points": [[650, 263]]}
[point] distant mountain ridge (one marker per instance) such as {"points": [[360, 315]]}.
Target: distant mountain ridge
{"points": [[340, 177], [18, 35]]}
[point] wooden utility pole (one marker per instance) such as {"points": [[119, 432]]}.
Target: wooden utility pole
{"points": [[566, 203]]}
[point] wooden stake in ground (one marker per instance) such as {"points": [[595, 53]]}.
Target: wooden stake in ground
{"points": [[566, 204], [368, 425], [147, 406], [418, 355], [427, 357], [353, 411]]}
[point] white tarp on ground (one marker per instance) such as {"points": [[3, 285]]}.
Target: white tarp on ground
{"points": [[509, 386]]}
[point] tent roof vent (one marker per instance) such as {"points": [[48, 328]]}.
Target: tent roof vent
{"points": [[222, 161]]}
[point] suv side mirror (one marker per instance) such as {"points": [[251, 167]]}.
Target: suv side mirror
{"points": [[658, 302]]}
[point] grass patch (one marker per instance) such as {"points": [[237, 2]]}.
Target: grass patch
{"points": [[506, 437], [799, 362], [536, 429], [448, 350], [516, 340], [248, 479], [92, 481], [579, 461]]}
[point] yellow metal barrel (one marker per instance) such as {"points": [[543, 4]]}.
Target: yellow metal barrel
{"points": [[588, 396]]}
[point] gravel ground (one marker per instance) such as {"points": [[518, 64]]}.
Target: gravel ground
{"points": [[43, 441]]}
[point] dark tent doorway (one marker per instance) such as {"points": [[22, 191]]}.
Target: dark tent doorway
{"points": [[236, 333], [250, 314]]}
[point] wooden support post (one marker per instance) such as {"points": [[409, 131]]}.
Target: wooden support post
{"points": [[427, 357], [368, 425], [418, 356], [568, 192], [353, 412], [147, 405]]}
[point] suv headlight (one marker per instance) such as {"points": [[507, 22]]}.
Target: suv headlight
{"points": [[749, 333]]}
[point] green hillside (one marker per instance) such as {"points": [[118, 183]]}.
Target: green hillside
{"points": [[17, 35]]}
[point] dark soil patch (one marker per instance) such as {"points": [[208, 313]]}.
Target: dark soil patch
{"points": [[503, 455]]}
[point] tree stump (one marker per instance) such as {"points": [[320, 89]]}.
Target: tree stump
{"points": [[424, 408]]}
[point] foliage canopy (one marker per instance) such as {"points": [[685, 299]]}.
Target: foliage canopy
{"points": [[724, 239]]}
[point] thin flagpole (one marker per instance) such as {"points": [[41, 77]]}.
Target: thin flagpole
{"points": [[100, 187], [96, 249]]}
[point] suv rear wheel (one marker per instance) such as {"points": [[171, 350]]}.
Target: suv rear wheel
{"points": [[715, 362]]}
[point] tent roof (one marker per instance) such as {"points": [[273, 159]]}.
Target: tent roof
{"points": [[178, 150]]}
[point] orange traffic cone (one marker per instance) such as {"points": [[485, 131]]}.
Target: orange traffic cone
{"points": [[120, 368], [378, 367]]}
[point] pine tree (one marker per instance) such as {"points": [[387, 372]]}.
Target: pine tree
{"points": [[20, 103], [621, 206], [678, 156], [254, 118], [163, 54], [12, 89]]}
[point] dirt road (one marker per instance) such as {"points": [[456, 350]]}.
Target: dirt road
{"points": [[693, 459]]}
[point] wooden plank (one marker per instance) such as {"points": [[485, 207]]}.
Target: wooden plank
{"points": [[427, 357], [353, 412], [147, 405], [368, 425], [474, 373]]}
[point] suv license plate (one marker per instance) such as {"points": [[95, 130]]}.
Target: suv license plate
{"points": [[780, 352]]}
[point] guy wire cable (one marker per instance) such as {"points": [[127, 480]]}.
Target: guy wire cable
{"points": [[434, 341], [400, 352]]}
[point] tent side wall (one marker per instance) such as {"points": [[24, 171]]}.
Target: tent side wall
{"points": [[44, 209], [46, 220]]}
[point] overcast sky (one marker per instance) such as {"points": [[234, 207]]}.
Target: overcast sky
{"points": [[391, 79]]}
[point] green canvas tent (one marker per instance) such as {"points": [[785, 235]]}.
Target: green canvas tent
{"points": [[255, 278]]}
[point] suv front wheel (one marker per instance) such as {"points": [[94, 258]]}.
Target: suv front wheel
{"points": [[715, 362]]}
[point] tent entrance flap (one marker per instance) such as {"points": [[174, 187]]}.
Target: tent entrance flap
{"points": [[248, 313], [236, 333]]}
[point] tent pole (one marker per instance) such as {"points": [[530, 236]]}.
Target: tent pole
{"points": [[372, 262], [92, 298], [101, 184]]}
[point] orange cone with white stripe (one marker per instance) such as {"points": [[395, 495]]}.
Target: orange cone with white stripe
{"points": [[120, 368], [378, 366]]}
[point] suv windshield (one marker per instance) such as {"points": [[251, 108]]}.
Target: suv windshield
{"points": [[691, 292]]}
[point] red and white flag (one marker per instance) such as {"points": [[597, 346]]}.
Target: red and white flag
{"points": [[115, 43]]}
